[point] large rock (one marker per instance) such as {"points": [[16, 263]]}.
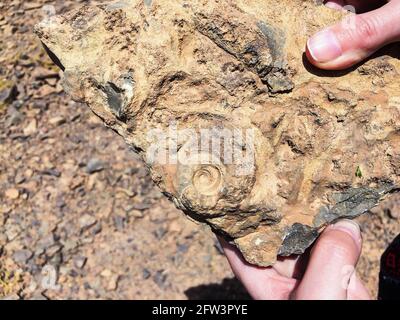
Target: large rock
{"points": [[237, 129]]}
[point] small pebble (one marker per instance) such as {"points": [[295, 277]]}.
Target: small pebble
{"points": [[57, 121], [22, 256], [80, 262], [146, 274], [119, 222], [113, 283], [160, 278], [86, 221], [94, 165], [12, 194]]}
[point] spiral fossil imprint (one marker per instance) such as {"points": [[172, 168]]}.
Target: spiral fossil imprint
{"points": [[236, 128]]}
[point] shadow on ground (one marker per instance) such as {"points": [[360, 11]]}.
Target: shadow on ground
{"points": [[229, 289]]}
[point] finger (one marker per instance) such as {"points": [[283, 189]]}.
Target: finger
{"points": [[358, 5], [357, 290], [293, 266], [355, 38], [261, 283], [337, 5], [332, 263], [286, 266]]}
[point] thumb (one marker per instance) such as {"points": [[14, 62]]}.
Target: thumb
{"points": [[355, 38], [333, 260]]}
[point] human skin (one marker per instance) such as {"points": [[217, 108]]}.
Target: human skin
{"points": [[345, 44], [326, 272], [321, 275]]}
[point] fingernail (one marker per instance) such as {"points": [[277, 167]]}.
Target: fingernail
{"points": [[324, 46], [351, 227], [333, 5]]}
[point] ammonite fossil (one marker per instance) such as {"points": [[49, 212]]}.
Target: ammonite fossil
{"points": [[236, 128]]}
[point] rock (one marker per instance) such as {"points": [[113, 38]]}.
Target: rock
{"points": [[141, 206], [28, 173], [46, 242], [86, 221], [45, 90], [53, 250], [22, 256], [301, 148], [12, 232], [52, 82], [113, 283], [3, 237], [57, 121], [94, 165], [52, 172], [392, 207], [17, 104], [31, 128], [32, 5], [19, 178], [70, 245], [12, 194], [127, 192], [8, 92], [106, 273], [56, 259], [160, 278], [160, 232], [394, 213], [40, 73], [298, 239], [136, 214], [146, 274], [119, 222], [40, 104], [96, 228], [182, 248], [80, 261], [15, 117]]}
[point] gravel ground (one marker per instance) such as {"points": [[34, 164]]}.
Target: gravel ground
{"points": [[79, 215]]}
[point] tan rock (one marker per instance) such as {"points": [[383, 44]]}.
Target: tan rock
{"points": [[236, 128], [106, 273], [56, 121], [113, 283], [41, 73], [28, 173], [12, 194], [31, 128]]}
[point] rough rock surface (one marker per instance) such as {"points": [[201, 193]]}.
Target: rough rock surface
{"points": [[325, 145]]}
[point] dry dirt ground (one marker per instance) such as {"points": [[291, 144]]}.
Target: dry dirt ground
{"points": [[79, 215]]}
